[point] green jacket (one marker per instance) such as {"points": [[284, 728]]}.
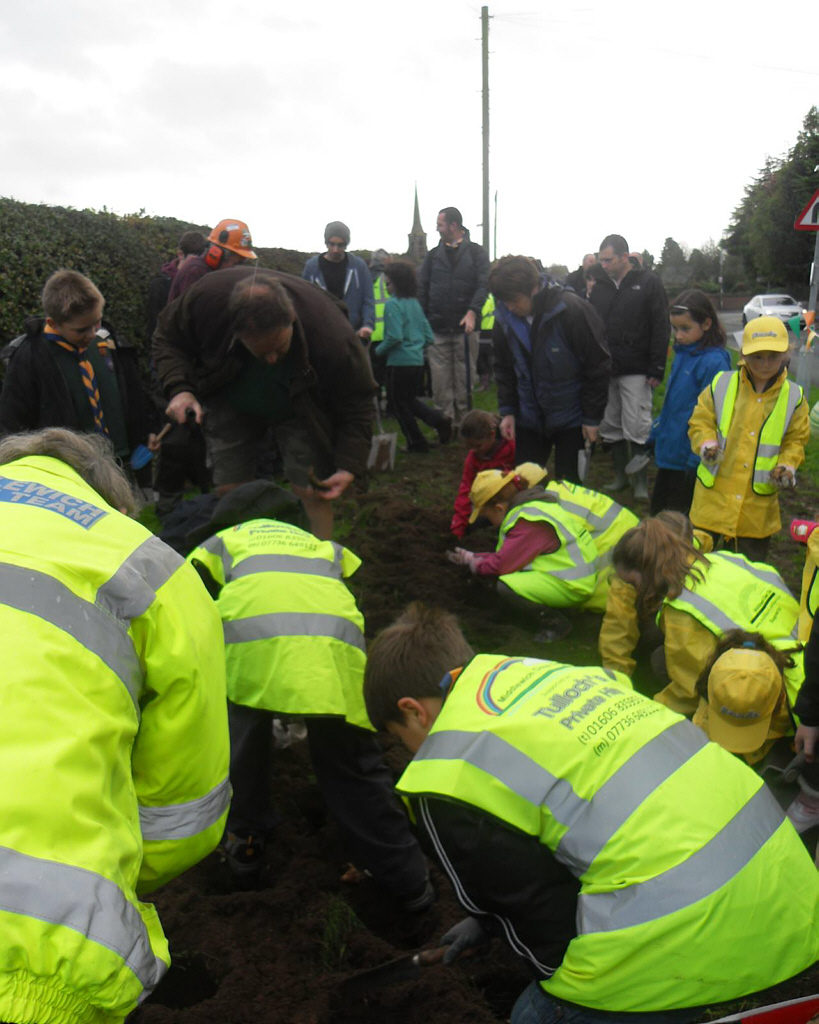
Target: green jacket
{"points": [[114, 749]]}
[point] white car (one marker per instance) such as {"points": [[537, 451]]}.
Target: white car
{"points": [[779, 305]]}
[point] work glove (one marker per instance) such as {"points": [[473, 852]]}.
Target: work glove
{"points": [[466, 934], [460, 556]]}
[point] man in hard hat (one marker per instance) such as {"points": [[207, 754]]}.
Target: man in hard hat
{"points": [[260, 350], [229, 245], [113, 732]]}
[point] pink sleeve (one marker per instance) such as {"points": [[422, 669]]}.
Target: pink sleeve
{"points": [[524, 542]]}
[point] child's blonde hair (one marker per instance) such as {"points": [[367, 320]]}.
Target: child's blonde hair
{"points": [[68, 294], [664, 559]]}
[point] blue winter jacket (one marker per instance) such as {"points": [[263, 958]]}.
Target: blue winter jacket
{"points": [[554, 373], [358, 289], [693, 369]]}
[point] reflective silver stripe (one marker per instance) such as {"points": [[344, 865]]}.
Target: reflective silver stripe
{"points": [[794, 398], [697, 877], [757, 569], [604, 560], [90, 625], [180, 821], [131, 591], [517, 771], [598, 524], [83, 901], [620, 796], [709, 610], [284, 563], [768, 451], [719, 391], [581, 568], [216, 546], [264, 627]]}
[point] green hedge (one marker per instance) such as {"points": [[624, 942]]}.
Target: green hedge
{"points": [[119, 254]]}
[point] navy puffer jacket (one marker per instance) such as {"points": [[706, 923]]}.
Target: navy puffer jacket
{"points": [[554, 373]]}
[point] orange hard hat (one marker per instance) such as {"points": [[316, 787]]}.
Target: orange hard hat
{"points": [[233, 235]]}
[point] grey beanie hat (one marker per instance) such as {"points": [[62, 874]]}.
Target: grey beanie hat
{"points": [[337, 229]]}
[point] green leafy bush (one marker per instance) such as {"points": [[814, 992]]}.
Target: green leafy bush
{"points": [[120, 254]]}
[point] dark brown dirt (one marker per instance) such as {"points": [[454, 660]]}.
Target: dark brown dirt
{"points": [[278, 955]]}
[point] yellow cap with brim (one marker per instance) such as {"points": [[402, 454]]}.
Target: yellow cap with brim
{"points": [[764, 334], [484, 488], [531, 472], [744, 688]]}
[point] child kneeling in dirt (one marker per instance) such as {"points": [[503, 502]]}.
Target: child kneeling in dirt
{"points": [[623, 629], [604, 853], [294, 645], [543, 556], [480, 432], [750, 703]]}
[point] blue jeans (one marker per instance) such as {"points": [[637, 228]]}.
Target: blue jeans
{"points": [[535, 1007]]}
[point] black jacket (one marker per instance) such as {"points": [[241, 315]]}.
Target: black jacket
{"points": [[533, 904], [635, 316], [564, 381], [35, 393], [449, 289], [807, 703], [332, 387]]}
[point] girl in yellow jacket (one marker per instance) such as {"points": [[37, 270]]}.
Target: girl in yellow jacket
{"points": [[622, 629], [697, 599], [749, 428]]}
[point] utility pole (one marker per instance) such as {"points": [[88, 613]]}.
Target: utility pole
{"points": [[495, 239], [485, 122]]}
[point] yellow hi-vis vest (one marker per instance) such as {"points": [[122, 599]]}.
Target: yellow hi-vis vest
{"points": [[687, 867], [380, 296], [724, 393], [113, 745], [294, 638], [488, 313], [809, 598], [573, 564], [605, 520], [739, 594]]}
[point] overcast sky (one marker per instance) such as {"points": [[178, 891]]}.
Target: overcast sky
{"points": [[606, 116]]}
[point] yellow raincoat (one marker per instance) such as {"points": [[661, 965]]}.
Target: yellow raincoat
{"points": [[810, 587], [731, 507], [620, 631]]}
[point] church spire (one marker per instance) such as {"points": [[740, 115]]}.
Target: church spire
{"points": [[417, 238]]}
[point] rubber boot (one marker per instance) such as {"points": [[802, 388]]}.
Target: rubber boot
{"points": [[638, 475], [619, 455]]}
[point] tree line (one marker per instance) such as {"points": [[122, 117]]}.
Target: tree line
{"points": [[759, 249]]}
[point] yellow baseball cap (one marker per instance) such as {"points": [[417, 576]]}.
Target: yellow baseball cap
{"points": [[764, 334], [484, 488], [491, 481], [531, 472], [744, 688]]}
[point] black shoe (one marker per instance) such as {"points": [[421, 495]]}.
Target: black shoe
{"points": [[445, 431], [244, 854], [420, 901]]}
